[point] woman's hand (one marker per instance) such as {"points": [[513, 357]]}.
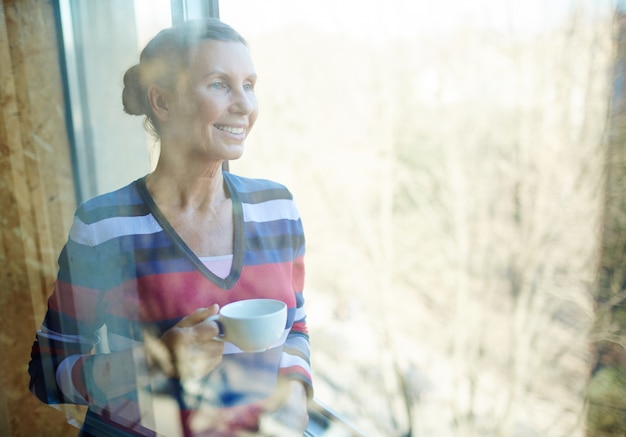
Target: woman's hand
{"points": [[193, 352]]}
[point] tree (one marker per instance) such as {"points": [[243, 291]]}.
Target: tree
{"points": [[607, 387]]}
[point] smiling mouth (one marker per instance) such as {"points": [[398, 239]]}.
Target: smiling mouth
{"points": [[231, 130]]}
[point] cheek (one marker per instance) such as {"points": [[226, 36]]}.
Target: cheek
{"points": [[254, 114], [253, 118], [205, 111], [208, 113]]}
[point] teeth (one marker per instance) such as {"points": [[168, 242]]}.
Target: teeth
{"points": [[232, 130]]}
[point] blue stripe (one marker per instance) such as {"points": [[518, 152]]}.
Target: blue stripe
{"points": [[131, 242], [257, 190], [299, 299], [84, 266], [252, 258], [101, 213], [135, 330], [278, 242], [274, 227], [125, 202], [265, 195], [274, 242], [291, 315]]}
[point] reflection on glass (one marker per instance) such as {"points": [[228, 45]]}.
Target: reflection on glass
{"points": [[447, 161]]}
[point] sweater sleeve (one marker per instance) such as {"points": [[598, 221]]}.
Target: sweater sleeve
{"points": [[295, 361], [68, 333]]}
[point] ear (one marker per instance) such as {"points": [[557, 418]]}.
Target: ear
{"points": [[159, 101]]}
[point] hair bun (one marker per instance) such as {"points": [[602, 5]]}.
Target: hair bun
{"points": [[134, 96]]}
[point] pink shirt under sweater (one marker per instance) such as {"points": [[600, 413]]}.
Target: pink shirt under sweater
{"points": [[219, 265]]}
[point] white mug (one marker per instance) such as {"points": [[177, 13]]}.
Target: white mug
{"points": [[253, 325]]}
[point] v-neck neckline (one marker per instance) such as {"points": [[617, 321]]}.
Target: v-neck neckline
{"points": [[235, 271]]}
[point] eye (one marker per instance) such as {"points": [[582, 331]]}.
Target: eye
{"points": [[219, 86], [248, 87]]}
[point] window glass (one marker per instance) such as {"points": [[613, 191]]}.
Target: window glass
{"points": [[445, 159], [110, 147]]}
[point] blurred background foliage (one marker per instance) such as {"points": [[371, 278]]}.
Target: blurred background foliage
{"points": [[455, 187], [459, 167]]}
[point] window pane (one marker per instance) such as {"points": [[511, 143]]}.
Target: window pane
{"points": [[111, 147], [445, 159]]}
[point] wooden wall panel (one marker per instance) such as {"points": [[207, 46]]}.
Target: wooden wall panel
{"points": [[36, 204]]}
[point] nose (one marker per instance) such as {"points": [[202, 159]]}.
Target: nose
{"points": [[244, 102]]}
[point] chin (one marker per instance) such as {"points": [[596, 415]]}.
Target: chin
{"points": [[234, 153]]}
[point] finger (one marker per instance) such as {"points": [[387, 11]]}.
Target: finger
{"points": [[158, 354], [198, 316], [208, 329], [216, 348]]}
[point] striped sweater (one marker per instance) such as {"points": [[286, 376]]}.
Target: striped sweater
{"points": [[124, 267]]}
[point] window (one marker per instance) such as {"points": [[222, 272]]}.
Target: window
{"points": [[444, 158]]}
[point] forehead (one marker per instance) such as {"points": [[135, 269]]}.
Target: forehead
{"points": [[228, 57]]}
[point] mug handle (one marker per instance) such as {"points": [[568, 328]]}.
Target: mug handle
{"points": [[216, 318]]}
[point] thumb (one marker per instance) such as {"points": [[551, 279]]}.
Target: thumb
{"points": [[213, 309]]}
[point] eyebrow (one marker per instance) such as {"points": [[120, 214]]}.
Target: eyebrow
{"points": [[223, 73]]}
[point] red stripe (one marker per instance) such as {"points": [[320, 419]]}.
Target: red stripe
{"points": [[271, 281], [173, 295], [300, 327], [44, 350], [284, 371], [298, 274], [80, 303], [78, 379]]}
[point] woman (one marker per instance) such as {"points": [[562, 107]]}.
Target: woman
{"points": [[153, 260]]}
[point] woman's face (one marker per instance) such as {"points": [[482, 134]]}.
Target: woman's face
{"points": [[215, 106]]}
